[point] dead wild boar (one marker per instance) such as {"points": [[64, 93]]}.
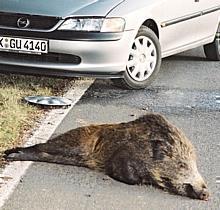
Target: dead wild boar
{"points": [[148, 150]]}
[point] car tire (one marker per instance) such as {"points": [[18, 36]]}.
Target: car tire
{"points": [[212, 50], [143, 63]]}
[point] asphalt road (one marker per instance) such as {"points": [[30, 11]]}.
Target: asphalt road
{"points": [[185, 92]]}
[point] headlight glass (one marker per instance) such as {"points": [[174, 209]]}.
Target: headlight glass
{"points": [[113, 25], [94, 24], [84, 24]]}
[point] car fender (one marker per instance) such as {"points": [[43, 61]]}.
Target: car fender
{"points": [[136, 14]]}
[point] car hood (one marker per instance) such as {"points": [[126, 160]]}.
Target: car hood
{"points": [[59, 8]]}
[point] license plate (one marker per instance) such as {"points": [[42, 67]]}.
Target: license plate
{"points": [[23, 45]]}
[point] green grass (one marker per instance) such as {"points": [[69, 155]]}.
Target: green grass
{"points": [[16, 116]]}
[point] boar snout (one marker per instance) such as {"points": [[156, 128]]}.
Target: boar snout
{"points": [[197, 192]]}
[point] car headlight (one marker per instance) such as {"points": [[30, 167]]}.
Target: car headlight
{"points": [[94, 24], [113, 25]]}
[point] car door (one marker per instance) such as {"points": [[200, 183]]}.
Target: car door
{"points": [[210, 10], [180, 25]]}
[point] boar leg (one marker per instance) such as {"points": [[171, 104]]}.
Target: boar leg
{"points": [[43, 153], [123, 167]]}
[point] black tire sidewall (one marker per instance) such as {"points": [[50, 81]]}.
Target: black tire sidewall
{"points": [[211, 50], [133, 84], [217, 43]]}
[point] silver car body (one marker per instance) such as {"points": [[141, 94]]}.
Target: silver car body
{"points": [[181, 25]]}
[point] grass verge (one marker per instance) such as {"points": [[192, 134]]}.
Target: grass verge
{"points": [[16, 116]]}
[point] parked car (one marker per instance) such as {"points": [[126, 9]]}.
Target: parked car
{"points": [[124, 40]]}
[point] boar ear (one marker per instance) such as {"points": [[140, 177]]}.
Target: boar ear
{"points": [[160, 149]]}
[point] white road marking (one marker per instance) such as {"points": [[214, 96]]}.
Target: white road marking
{"points": [[13, 173]]}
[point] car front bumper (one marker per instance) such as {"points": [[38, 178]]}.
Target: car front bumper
{"points": [[99, 56]]}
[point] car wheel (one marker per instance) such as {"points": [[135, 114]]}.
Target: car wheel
{"points": [[144, 61], [212, 50]]}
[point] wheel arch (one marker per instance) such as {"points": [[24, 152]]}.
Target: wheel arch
{"points": [[150, 23]]}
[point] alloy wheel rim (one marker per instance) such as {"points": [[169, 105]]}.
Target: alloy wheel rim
{"points": [[142, 59]]}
